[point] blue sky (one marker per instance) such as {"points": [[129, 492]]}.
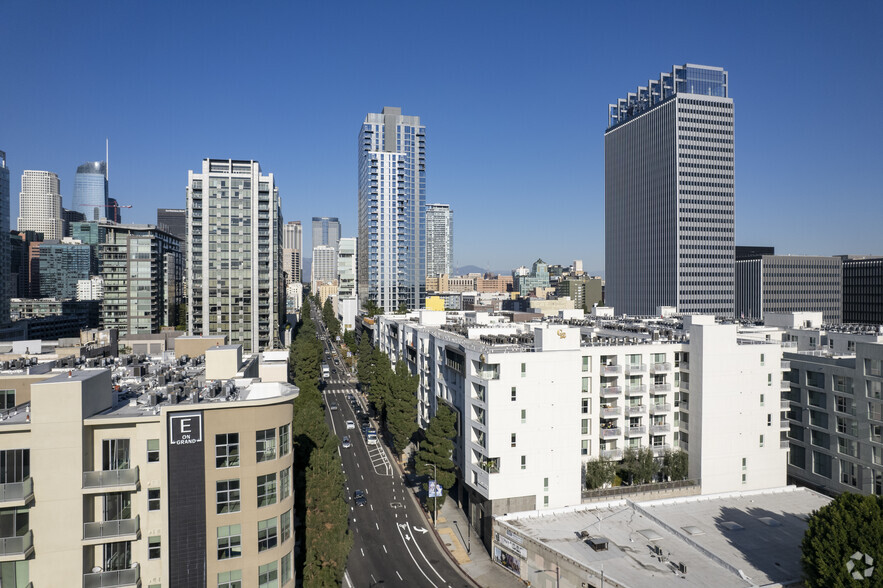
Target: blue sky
{"points": [[513, 94]]}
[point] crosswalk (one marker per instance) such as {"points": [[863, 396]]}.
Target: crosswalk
{"points": [[376, 453]]}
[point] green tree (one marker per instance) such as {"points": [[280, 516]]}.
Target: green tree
{"points": [[182, 317], [349, 339], [328, 541], [330, 317], [639, 465], [849, 524], [401, 406], [380, 388], [675, 465], [403, 308], [365, 366], [371, 308], [599, 472], [436, 450]]}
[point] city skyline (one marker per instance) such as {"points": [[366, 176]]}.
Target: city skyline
{"points": [[786, 168]]}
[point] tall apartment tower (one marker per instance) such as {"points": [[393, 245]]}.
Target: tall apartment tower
{"points": [[39, 207], [669, 198], [439, 240], [10, 288], [234, 270], [292, 251], [347, 268], [90, 191], [326, 231], [392, 210]]}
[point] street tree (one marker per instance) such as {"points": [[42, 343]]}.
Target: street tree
{"points": [[436, 449], [401, 406], [639, 465], [675, 465], [599, 473], [851, 525]]}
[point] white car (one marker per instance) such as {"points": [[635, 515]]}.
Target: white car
{"points": [[346, 442], [350, 425]]}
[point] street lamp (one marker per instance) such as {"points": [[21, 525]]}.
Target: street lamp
{"points": [[434, 498], [557, 571]]}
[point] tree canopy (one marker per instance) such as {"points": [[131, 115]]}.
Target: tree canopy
{"points": [[436, 449]]}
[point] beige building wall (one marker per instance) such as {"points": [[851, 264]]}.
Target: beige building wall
{"points": [[222, 362], [194, 346]]}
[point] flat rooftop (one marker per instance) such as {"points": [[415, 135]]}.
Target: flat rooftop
{"points": [[735, 539]]}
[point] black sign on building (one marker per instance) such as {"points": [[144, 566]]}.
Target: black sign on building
{"points": [[186, 501]]}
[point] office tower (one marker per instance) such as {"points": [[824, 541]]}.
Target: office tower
{"points": [[142, 270], [90, 190], [114, 213], [669, 196], [526, 282], [439, 240], [863, 289], [392, 210], [326, 231], [346, 266], [89, 232], [324, 268], [172, 221], [789, 283], [39, 207], [6, 290], [234, 270], [585, 291], [68, 217], [292, 252], [62, 264]]}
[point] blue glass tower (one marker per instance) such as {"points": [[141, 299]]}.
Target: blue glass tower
{"points": [[90, 190]]}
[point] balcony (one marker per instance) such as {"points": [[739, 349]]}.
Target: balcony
{"points": [[785, 365], [684, 385], [636, 409], [612, 454], [16, 548], [660, 449], [635, 368], [130, 578], [785, 385], [661, 407], [17, 493], [610, 411], [637, 431], [611, 391], [785, 424], [111, 481], [611, 369], [111, 531], [785, 404], [784, 444], [663, 366], [634, 390], [684, 366], [661, 428], [660, 388], [612, 432]]}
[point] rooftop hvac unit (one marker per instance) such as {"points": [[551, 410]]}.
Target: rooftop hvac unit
{"points": [[682, 567]]}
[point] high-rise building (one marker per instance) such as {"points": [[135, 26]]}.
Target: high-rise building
{"points": [[142, 270], [113, 210], [669, 195], [68, 217], [292, 251], [234, 271], [346, 267], [324, 268], [863, 289], [62, 264], [439, 240], [326, 231], [537, 277], [6, 290], [39, 205], [392, 210], [90, 190], [172, 221]]}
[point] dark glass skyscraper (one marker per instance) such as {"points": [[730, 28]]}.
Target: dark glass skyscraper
{"points": [[90, 190]]}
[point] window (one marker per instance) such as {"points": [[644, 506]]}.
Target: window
{"points": [[265, 442], [761, 399], [524, 462], [584, 447], [769, 420], [266, 490], [285, 526], [762, 359], [15, 465], [153, 501], [228, 496], [545, 484], [769, 379], [7, 399], [229, 541], [152, 450], [512, 440], [267, 575], [585, 427], [154, 547], [266, 534], [227, 450], [513, 394], [286, 568], [546, 501], [585, 406], [586, 364], [524, 370], [744, 462], [586, 387], [230, 579], [744, 478], [115, 454], [523, 416], [284, 483], [284, 440], [761, 440]]}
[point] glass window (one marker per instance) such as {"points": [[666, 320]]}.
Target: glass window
{"points": [[229, 541], [154, 547], [7, 399], [15, 465], [284, 439], [284, 483], [524, 462], [586, 364], [512, 440], [115, 454], [523, 370], [227, 450], [232, 579], [265, 442], [153, 501], [152, 450], [267, 534], [514, 394], [584, 449], [285, 526], [266, 490], [523, 416], [267, 575], [586, 388], [286, 568], [228, 496]]}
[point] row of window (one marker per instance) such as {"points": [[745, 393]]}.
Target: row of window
{"points": [[228, 491], [270, 575], [227, 446]]}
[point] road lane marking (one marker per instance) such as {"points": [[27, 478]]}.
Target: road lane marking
{"points": [[384, 549], [399, 575], [346, 576], [399, 529], [427, 561], [363, 551]]}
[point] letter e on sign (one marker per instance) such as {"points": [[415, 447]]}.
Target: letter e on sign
{"points": [[185, 429]]}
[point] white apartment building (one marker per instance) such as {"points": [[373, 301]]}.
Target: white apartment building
{"points": [[347, 266], [324, 268], [439, 240], [537, 400], [91, 289], [39, 204]]}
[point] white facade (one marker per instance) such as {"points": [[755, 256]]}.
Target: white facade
{"points": [[439, 240], [347, 310], [536, 401], [324, 268], [91, 289], [292, 251], [347, 267], [40, 204]]}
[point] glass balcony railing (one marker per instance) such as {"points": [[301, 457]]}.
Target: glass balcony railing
{"points": [[635, 368], [111, 529], [637, 430], [613, 432], [662, 366], [661, 407], [17, 491], [611, 453], [611, 391], [110, 478], [16, 547], [113, 579], [662, 428]]}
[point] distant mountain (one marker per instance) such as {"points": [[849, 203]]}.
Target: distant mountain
{"points": [[469, 269]]}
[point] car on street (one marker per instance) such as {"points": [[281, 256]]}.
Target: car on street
{"points": [[332, 405], [350, 425], [346, 442], [359, 498]]}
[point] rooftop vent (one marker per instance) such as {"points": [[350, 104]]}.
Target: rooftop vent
{"points": [[732, 526]]}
